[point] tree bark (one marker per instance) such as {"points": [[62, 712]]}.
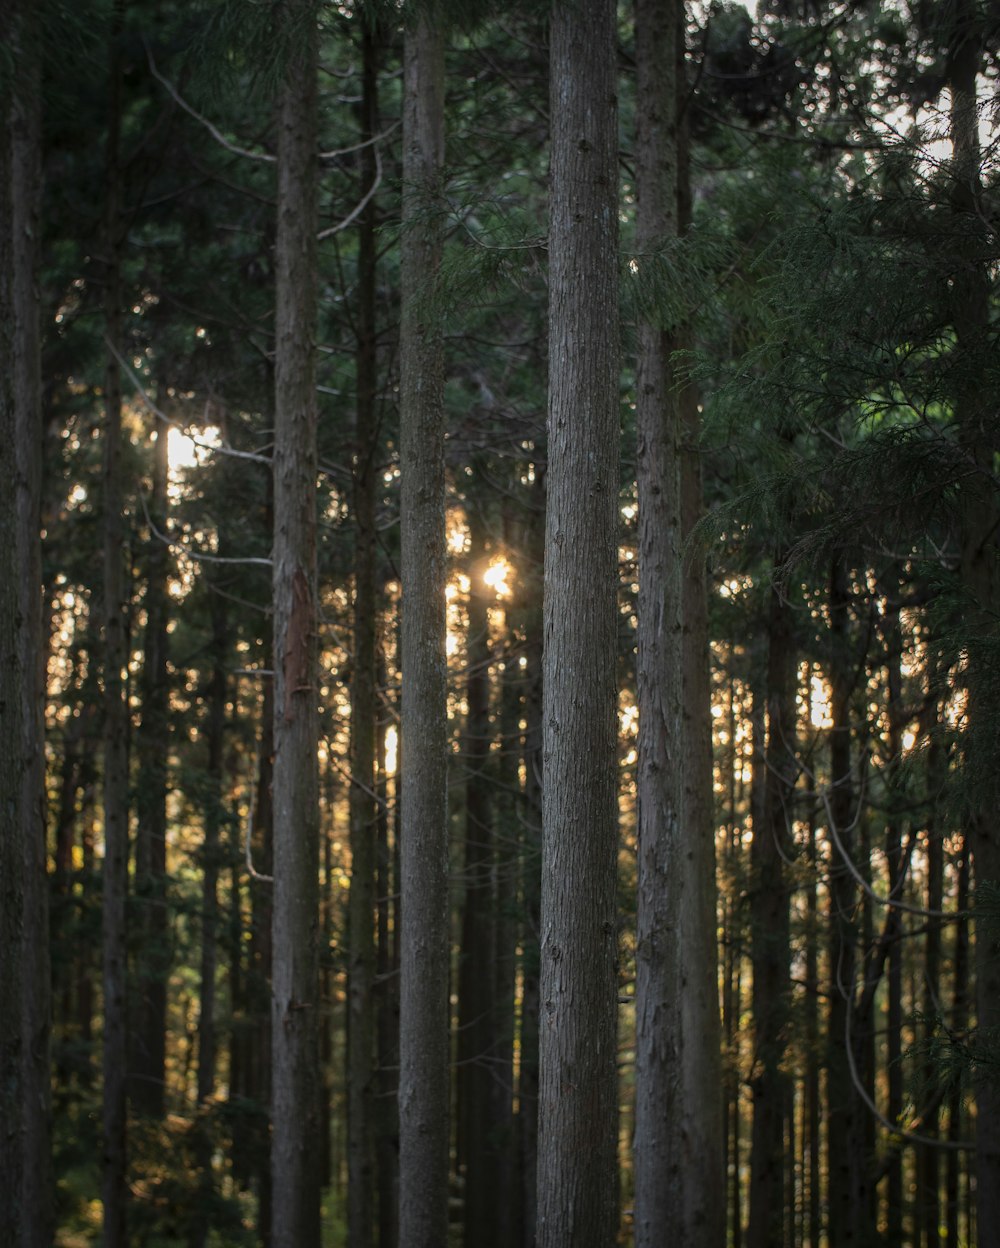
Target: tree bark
{"points": [[295, 1082], [577, 1125], [980, 566], [210, 863], [115, 870], [531, 878], [424, 934], [659, 1169], [148, 1065], [26, 995], [364, 710], [770, 938], [477, 1007]]}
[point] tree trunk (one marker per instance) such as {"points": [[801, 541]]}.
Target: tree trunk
{"points": [[658, 1148], [363, 805], [531, 879], [210, 863], [929, 1183], [770, 938], [577, 1126], [115, 870], [424, 934], [848, 1162], [295, 1083], [148, 1065], [15, 692], [387, 1018], [26, 995], [980, 567], [477, 1007], [701, 1125], [894, 863]]}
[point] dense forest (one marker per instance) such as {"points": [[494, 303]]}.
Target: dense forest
{"points": [[499, 624]]}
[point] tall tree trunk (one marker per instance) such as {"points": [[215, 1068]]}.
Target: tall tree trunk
{"points": [[387, 1018], [258, 1141], [929, 1181], [894, 863], [363, 806], [577, 1126], [115, 870], [148, 1065], [770, 938], [980, 563], [959, 1022], [25, 998], [847, 1160], [531, 878], [812, 1109], [476, 1017], [210, 863], [658, 1148], [701, 1125], [424, 936], [295, 1083]]}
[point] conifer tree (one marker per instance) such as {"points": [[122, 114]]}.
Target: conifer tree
{"points": [[577, 1113]]}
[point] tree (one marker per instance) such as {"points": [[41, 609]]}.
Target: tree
{"points": [[424, 938], [577, 1124], [295, 1085], [364, 706], [677, 1147], [116, 762], [21, 173]]}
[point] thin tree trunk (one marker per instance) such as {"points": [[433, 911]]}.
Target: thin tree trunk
{"points": [[210, 862], [578, 1120], [363, 807], [476, 1018], [701, 1123], [387, 1017], [424, 953], [19, 309], [531, 879], [894, 863], [929, 1183], [148, 1067], [811, 1113], [848, 1162], [660, 1171], [770, 939], [259, 978], [115, 870], [295, 1081], [980, 559], [959, 1022], [15, 690]]}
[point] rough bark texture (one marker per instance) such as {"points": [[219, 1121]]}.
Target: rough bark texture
{"points": [[363, 806], [700, 1128], [424, 937], [577, 1126], [14, 685], [20, 169], [980, 567], [658, 1161], [770, 939], [848, 1182], [210, 863], [148, 1059], [531, 877], [477, 1008], [115, 869], [295, 1081]]}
